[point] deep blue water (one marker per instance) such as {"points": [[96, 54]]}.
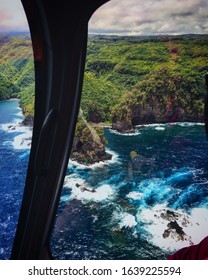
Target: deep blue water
{"points": [[124, 217], [13, 170]]}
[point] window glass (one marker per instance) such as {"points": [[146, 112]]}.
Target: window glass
{"points": [[137, 183], [16, 116]]}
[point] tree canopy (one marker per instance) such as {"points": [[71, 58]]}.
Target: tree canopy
{"points": [[123, 76]]}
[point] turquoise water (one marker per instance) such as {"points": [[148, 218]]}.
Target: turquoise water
{"points": [[125, 217]]}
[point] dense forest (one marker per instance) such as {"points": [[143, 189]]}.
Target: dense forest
{"points": [[128, 80], [17, 71], [159, 79]]}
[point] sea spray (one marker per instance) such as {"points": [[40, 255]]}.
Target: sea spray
{"points": [[156, 222], [22, 134], [123, 219], [114, 159], [81, 190], [134, 210], [136, 132]]}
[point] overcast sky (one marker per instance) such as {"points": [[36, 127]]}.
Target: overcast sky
{"points": [[132, 17]]}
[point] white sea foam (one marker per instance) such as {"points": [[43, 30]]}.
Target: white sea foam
{"points": [[124, 219], [189, 123], [73, 163], [104, 192], [19, 114], [194, 226], [72, 180], [159, 128], [23, 141], [84, 192], [15, 126], [23, 134], [135, 195], [151, 125], [114, 159], [11, 127], [198, 217], [125, 134]]}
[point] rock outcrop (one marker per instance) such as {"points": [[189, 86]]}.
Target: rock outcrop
{"points": [[176, 225], [88, 153], [149, 115], [28, 121], [89, 143]]}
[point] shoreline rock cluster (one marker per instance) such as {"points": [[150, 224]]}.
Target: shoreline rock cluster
{"points": [[83, 152], [89, 153], [176, 224]]}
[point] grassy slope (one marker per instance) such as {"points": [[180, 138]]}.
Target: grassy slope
{"points": [[114, 66]]}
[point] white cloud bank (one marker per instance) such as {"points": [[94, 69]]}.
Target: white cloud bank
{"points": [[132, 17], [138, 17]]}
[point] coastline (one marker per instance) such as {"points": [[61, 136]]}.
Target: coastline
{"points": [[22, 134], [156, 126], [127, 199], [24, 130], [11, 99]]}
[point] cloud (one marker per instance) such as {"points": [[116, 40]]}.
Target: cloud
{"points": [[4, 17], [12, 16], [133, 17], [151, 17]]}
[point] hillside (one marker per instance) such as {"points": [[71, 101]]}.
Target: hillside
{"points": [[128, 80], [160, 79], [17, 70]]}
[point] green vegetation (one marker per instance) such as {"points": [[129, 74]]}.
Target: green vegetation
{"points": [[89, 143], [128, 80], [17, 70], [7, 88], [98, 97], [159, 79]]}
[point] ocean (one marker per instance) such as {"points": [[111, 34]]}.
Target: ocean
{"points": [[13, 161], [148, 201]]}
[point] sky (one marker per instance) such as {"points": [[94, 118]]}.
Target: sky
{"points": [[127, 17]]}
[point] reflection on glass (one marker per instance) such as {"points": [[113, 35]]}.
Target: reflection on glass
{"points": [[136, 185]]}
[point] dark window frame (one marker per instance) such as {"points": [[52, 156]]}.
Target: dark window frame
{"points": [[59, 38]]}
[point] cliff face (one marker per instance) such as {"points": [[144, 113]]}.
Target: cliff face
{"points": [[28, 120], [159, 114], [165, 96], [88, 153], [89, 143], [155, 114]]}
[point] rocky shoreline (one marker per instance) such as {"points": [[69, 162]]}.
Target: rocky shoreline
{"points": [[83, 152], [174, 229], [89, 153]]}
